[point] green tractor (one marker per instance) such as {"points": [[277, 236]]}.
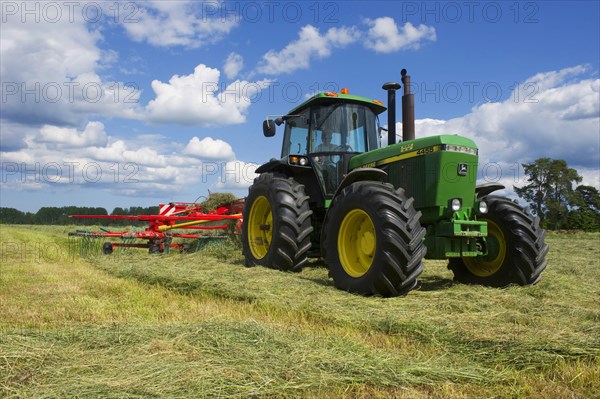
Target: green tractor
{"points": [[373, 213]]}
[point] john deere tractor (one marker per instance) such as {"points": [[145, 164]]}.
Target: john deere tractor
{"points": [[373, 212]]}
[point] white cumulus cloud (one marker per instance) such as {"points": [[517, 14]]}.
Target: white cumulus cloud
{"points": [[209, 149], [92, 135], [92, 159], [384, 35], [233, 65], [198, 98], [177, 23], [309, 45], [49, 72]]}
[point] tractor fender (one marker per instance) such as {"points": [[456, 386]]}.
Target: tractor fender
{"points": [[484, 189], [275, 165], [360, 174]]}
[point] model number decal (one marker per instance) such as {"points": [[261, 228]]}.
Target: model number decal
{"points": [[411, 154], [426, 150]]}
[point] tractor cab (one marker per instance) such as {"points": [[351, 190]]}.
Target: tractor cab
{"points": [[325, 132]]}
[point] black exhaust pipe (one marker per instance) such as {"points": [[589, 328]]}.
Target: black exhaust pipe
{"points": [[408, 109], [391, 88]]}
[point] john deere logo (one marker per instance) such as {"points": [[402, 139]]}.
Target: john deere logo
{"points": [[462, 169]]}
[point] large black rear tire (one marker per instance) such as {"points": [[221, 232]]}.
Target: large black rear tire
{"points": [[277, 226], [516, 248], [373, 241]]}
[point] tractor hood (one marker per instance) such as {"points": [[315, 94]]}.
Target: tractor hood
{"points": [[413, 148]]}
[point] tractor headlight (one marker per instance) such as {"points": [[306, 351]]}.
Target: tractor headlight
{"points": [[456, 204], [483, 208], [297, 160]]}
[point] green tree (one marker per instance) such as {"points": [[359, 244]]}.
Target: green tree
{"points": [[585, 212], [549, 190], [48, 215], [11, 215], [587, 196]]}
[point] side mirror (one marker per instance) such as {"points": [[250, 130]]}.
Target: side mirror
{"points": [[269, 128]]}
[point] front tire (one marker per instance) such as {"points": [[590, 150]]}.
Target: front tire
{"points": [[373, 241], [516, 248], [277, 226]]}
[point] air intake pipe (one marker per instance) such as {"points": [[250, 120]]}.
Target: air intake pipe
{"points": [[391, 88]]}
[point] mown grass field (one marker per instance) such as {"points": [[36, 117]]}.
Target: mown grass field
{"points": [[203, 325]]}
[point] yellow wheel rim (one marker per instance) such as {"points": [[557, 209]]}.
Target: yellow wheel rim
{"points": [[485, 266], [356, 243], [260, 227]]}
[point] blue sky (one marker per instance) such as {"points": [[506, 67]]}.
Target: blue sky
{"points": [[135, 103]]}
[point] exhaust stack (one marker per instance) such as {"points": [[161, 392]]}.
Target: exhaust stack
{"points": [[408, 109], [391, 88]]}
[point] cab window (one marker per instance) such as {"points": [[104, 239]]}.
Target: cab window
{"points": [[353, 127], [295, 139]]}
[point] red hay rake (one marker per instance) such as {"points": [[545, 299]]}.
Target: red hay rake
{"points": [[226, 218]]}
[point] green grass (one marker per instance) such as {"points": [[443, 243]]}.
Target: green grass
{"points": [[202, 325]]}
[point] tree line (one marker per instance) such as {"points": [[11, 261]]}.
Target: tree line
{"points": [[554, 195], [60, 215]]}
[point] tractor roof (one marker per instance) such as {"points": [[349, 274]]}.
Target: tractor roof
{"points": [[331, 98]]}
